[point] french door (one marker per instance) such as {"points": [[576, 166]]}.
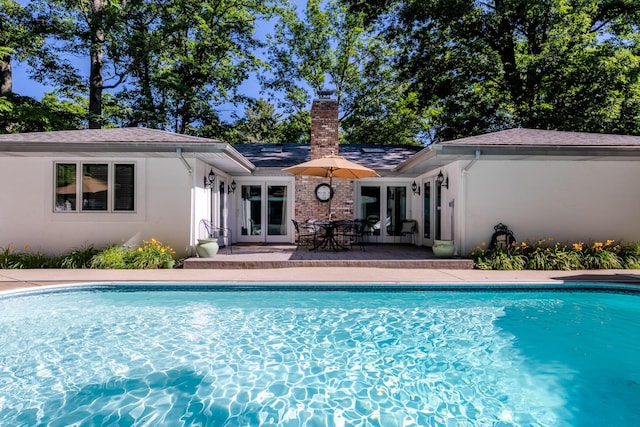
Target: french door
{"points": [[264, 212], [384, 208]]}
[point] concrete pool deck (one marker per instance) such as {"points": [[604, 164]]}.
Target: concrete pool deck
{"points": [[23, 279]]}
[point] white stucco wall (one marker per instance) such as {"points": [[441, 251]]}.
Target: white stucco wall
{"points": [[567, 201], [27, 217]]}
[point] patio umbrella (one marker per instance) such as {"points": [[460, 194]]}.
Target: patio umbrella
{"points": [[331, 166], [89, 185]]}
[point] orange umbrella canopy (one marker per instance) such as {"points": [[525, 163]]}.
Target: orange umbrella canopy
{"points": [[331, 166]]}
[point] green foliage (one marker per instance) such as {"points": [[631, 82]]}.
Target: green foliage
{"points": [[552, 255], [25, 259], [481, 66], [328, 47], [25, 114], [183, 59], [115, 257], [79, 258], [152, 254]]}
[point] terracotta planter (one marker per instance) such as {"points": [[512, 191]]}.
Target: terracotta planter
{"points": [[443, 248], [207, 248]]}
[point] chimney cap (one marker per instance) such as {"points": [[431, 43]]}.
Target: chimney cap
{"points": [[325, 93]]}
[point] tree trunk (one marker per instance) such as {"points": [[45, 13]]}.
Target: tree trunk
{"points": [[97, 60], [6, 83]]}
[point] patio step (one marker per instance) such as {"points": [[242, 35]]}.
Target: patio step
{"points": [[290, 256], [226, 264]]}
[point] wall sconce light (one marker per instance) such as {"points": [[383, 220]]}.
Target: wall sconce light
{"points": [[442, 181], [232, 188], [415, 188], [209, 180]]}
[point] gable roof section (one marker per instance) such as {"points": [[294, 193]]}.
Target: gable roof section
{"points": [[128, 135], [524, 144], [536, 137], [284, 155], [133, 142]]}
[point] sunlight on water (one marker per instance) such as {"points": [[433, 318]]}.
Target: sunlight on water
{"points": [[320, 358]]}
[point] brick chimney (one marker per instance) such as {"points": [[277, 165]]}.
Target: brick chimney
{"points": [[324, 141], [324, 127]]}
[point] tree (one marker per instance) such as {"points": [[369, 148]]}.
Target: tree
{"points": [[24, 114], [187, 57], [552, 64], [331, 48]]}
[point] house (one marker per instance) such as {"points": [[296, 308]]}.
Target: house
{"points": [[65, 189]]}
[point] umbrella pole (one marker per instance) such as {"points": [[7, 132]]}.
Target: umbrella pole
{"points": [[331, 192]]}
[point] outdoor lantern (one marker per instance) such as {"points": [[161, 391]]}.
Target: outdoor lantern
{"points": [[209, 180], [442, 181], [415, 188], [232, 187]]}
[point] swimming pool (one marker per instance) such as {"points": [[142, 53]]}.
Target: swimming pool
{"points": [[244, 356]]}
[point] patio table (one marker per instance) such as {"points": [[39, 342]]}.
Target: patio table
{"points": [[326, 237]]}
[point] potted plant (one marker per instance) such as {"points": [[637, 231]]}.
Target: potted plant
{"points": [[443, 248], [207, 248]]}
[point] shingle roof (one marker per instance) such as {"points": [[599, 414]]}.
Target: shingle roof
{"points": [[536, 137], [134, 135], [284, 155]]}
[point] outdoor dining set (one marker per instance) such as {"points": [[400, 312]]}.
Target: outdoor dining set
{"points": [[331, 235]]}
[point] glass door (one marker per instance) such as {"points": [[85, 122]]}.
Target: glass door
{"points": [[427, 213], [384, 215], [264, 213]]}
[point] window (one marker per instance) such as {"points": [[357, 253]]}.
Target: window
{"points": [[100, 187]]}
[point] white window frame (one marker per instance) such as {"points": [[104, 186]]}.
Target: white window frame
{"points": [[57, 209]]}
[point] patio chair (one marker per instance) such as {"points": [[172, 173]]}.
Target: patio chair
{"points": [[345, 233], [305, 234], [222, 234], [360, 231], [409, 228]]}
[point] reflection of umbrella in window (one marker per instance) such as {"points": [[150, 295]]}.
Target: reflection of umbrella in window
{"points": [[89, 185], [331, 166]]}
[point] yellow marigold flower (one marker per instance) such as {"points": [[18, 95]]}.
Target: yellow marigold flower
{"points": [[609, 242], [523, 244], [139, 249], [25, 246], [577, 246], [597, 246], [483, 244]]}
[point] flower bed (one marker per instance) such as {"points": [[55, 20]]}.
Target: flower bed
{"points": [[152, 254], [552, 255]]}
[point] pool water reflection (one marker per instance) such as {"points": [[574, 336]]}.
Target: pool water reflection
{"points": [[303, 358]]}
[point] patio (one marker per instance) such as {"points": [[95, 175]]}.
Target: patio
{"points": [[283, 256]]}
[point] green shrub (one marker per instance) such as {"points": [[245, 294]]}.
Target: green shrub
{"points": [[551, 255], [152, 254], [25, 259], [79, 258], [114, 257]]}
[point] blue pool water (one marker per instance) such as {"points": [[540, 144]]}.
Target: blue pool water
{"points": [[320, 358]]}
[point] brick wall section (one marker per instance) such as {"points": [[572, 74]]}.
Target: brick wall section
{"points": [[324, 141]]}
